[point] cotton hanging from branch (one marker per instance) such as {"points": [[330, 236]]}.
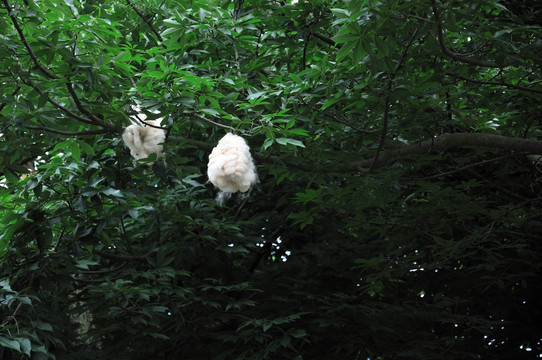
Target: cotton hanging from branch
{"points": [[231, 167], [144, 140]]}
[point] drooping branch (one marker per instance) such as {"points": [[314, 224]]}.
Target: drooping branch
{"points": [[31, 53], [461, 57]]}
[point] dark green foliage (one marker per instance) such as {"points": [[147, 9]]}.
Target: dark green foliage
{"points": [[372, 233]]}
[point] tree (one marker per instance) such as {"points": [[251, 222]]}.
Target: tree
{"points": [[397, 214]]}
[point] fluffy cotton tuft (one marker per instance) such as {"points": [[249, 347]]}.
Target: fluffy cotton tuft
{"points": [[230, 167], [144, 140]]}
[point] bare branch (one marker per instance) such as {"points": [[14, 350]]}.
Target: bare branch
{"points": [[38, 64]]}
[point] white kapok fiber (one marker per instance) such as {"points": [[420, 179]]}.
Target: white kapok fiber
{"points": [[144, 140], [231, 168]]}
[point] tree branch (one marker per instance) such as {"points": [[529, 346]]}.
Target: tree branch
{"points": [[144, 122], [447, 142], [149, 24], [341, 121], [387, 101], [38, 64], [58, 106], [112, 256], [81, 108], [67, 133], [270, 159], [325, 39], [102, 272], [511, 86], [196, 116], [461, 57], [466, 167]]}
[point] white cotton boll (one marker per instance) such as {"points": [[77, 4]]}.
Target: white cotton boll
{"points": [[144, 140], [230, 167]]}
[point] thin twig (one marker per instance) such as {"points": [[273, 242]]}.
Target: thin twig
{"points": [[149, 124], [196, 116], [67, 133]]}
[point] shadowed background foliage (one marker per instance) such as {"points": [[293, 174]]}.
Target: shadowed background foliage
{"points": [[397, 214]]}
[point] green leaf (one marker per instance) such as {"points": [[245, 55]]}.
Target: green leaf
{"points": [[89, 150], [10, 343], [267, 143], [43, 326], [76, 150], [10, 176], [112, 192], [345, 38], [297, 333], [329, 103], [345, 50], [287, 141], [26, 345]]}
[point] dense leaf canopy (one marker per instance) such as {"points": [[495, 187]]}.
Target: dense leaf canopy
{"points": [[397, 213]]}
